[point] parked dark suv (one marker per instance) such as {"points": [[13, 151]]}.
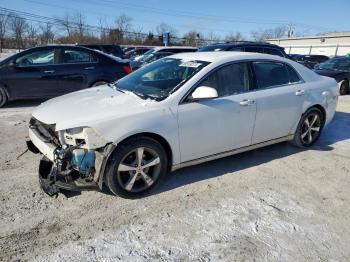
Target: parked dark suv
{"points": [[49, 71], [246, 46], [115, 50]]}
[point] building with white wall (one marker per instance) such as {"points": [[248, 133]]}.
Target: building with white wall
{"points": [[333, 44]]}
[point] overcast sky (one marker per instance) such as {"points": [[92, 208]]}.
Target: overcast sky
{"points": [[219, 16]]}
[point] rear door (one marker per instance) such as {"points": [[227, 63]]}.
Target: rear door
{"points": [[278, 99], [33, 74], [76, 68]]}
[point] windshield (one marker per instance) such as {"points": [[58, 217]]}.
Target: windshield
{"points": [[338, 63], [159, 79]]}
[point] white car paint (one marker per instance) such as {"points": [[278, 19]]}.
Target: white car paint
{"points": [[195, 130]]}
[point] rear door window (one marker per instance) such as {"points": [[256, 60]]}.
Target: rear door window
{"points": [[70, 56], [270, 74], [293, 76]]}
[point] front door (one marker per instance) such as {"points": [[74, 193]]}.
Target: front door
{"points": [[33, 75], [217, 125]]}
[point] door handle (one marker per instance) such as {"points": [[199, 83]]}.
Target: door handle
{"points": [[246, 102], [49, 71], [89, 68], [300, 92]]}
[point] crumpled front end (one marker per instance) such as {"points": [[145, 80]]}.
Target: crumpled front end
{"points": [[73, 159]]}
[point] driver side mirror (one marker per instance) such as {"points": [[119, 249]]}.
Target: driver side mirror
{"points": [[317, 66], [204, 92]]}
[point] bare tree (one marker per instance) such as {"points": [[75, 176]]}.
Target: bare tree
{"points": [[32, 35], [123, 23], [212, 37], [47, 34], [19, 26], [65, 23], [4, 17], [191, 38], [263, 35], [78, 21], [103, 30], [234, 37], [164, 27]]}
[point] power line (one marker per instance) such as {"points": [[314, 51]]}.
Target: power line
{"points": [[104, 14], [59, 22]]}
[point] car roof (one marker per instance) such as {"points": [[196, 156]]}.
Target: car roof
{"points": [[174, 47], [218, 56], [245, 43]]}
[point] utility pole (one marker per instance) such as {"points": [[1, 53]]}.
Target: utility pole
{"points": [[290, 30]]}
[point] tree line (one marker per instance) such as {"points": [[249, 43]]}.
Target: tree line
{"points": [[21, 32]]}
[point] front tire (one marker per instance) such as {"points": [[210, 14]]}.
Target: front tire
{"points": [[343, 87], [137, 167], [309, 128], [3, 97]]}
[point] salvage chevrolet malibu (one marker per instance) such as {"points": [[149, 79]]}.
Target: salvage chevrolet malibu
{"points": [[181, 110]]}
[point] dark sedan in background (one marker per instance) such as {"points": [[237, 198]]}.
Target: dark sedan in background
{"points": [[339, 69], [49, 71], [310, 61]]}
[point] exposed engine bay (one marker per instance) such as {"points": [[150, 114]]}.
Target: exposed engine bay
{"points": [[76, 160]]}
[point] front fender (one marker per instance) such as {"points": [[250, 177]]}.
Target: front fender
{"points": [[160, 121]]}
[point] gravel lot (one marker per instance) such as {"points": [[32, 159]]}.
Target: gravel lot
{"points": [[273, 204]]}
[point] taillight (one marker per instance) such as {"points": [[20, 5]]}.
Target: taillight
{"points": [[127, 69]]}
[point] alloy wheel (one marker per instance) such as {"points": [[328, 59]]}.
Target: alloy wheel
{"points": [[310, 129], [139, 169]]}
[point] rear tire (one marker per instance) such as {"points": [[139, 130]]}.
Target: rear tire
{"points": [[343, 87], [137, 166], [3, 97], [99, 83], [309, 128]]}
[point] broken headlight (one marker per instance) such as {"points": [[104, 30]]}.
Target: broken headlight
{"points": [[83, 137]]}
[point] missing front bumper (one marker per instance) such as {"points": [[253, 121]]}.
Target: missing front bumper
{"points": [[51, 182]]}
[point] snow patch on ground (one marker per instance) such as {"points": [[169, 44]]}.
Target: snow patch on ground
{"points": [[255, 228]]}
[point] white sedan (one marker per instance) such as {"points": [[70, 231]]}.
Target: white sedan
{"points": [[178, 111]]}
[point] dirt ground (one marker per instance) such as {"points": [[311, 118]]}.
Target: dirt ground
{"points": [[278, 203]]}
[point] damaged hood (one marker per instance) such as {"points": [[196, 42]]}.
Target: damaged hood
{"points": [[89, 107]]}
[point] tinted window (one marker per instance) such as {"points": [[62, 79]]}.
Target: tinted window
{"points": [[253, 49], [178, 50], [112, 50], [238, 49], [293, 76], [229, 80], [43, 57], [213, 48], [77, 56], [273, 51], [270, 74]]}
